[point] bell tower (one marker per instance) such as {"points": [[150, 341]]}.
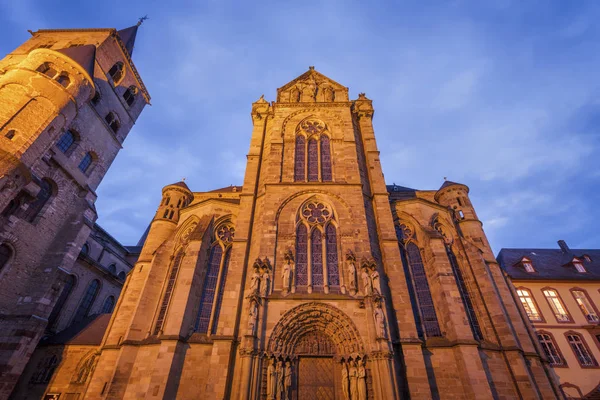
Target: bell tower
{"points": [[68, 99]]}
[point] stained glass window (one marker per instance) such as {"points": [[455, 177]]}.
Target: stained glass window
{"points": [[464, 294], [550, 349], [313, 160], [423, 293], [333, 275], [220, 293], [86, 303], [208, 290], [301, 256], [162, 312], [316, 265], [325, 159], [62, 299], [300, 156]]}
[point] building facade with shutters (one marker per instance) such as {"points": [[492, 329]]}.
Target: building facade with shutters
{"points": [[559, 292], [68, 99], [313, 280]]}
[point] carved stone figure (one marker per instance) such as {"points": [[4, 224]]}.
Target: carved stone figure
{"points": [[379, 322], [252, 318], [345, 381], [286, 274], [367, 283], [280, 380], [264, 283], [328, 94], [375, 281], [353, 372], [271, 380], [352, 277], [255, 281], [287, 382], [362, 381]]}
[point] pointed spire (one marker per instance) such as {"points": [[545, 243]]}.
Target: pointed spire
{"points": [[82, 55], [127, 36]]}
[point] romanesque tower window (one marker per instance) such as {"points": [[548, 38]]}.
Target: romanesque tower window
{"points": [[216, 276], [108, 305], [63, 80], [419, 284], [66, 141], [5, 255], [112, 121], [62, 300], [48, 70], [121, 275], [312, 152], [116, 72], [112, 268], [86, 162], [88, 300], [129, 95], [316, 242]]}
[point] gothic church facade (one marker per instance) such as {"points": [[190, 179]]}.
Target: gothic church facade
{"points": [[315, 280]]}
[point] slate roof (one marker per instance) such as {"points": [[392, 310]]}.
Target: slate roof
{"points": [[227, 189], [128, 35], [398, 192], [180, 184], [82, 55], [90, 331], [550, 264]]}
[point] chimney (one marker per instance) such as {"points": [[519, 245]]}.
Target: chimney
{"points": [[563, 246]]}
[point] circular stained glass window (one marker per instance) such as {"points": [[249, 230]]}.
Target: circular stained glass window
{"points": [[316, 213], [312, 126], [226, 233]]}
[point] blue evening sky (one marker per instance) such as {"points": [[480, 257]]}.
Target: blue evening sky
{"points": [[501, 95]]}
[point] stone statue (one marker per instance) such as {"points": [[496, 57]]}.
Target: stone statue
{"points": [[345, 381], [255, 281], [264, 283], [362, 381], [353, 371], [271, 380], [252, 318], [352, 277], [287, 382], [367, 283], [286, 274], [375, 282], [379, 322], [280, 380]]}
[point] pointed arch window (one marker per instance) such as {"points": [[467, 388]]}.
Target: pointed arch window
{"points": [[325, 159], [316, 252], [62, 300], [87, 302], [216, 277], [162, 312], [299, 160], [312, 160], [108, 305]]}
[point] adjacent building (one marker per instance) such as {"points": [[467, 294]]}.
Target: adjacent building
{"points": [[559, 291], [68, 99]]}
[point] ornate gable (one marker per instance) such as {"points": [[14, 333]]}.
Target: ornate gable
{"points": [[311, 87]]}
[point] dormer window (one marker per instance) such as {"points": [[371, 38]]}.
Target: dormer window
{"points": [[578, 264], [587, 258], [527, 265]]}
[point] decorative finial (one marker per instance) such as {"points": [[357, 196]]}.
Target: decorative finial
{"points": [[141, 20], [262, 97], [183, 179], [445, 178], [312, 67]]}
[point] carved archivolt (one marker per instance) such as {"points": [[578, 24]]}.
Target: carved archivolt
{"points": [[291, 332]]}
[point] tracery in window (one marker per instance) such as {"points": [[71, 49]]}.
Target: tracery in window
{"points": [[554, 356], [313, 160], [585, 305], [557, 306], [301, 255], [84, 371], [316, 264], [312, 152], [529, 305], [5, 255], [333, 275], [579, 347], [216, 277], [87, 302], [108, 305], [116, 72]]}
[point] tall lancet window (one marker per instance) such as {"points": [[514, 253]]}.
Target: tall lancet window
{"points": [[216, 277], [312, 160], [164, 305], [419, 284], [316, 248]]}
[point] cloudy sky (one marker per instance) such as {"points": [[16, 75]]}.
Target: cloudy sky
{"points": [[501, 95]]}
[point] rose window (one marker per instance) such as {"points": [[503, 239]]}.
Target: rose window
{"points": [[312, 127], [226, 233], [316, 213]]}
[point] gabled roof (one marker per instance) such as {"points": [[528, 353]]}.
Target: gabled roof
{"points": [[85, 56], [312, 72], [90, 331], [550, 264], [128, 35]]}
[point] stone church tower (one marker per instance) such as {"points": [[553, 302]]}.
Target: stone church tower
{"points": [[315, 280], [68, 99]]}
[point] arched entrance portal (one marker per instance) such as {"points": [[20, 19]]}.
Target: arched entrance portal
{"points": [[315, 352]]}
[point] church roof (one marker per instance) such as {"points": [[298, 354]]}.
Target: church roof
{"points": [[180, 184], [85, 56], [448, 183], [90, 331], [128, 35]]}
